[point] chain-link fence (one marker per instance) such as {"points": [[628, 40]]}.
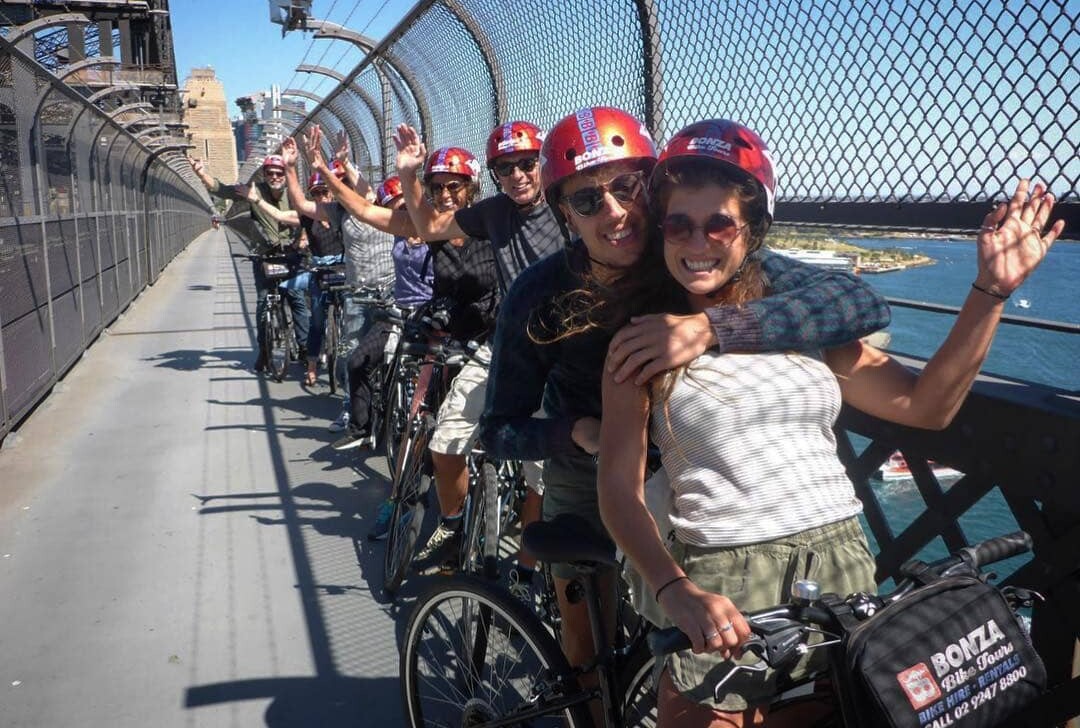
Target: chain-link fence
{"points": [[878, 113], [93, 204]]}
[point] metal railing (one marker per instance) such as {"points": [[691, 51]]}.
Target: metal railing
{"points": [[90, 214]]}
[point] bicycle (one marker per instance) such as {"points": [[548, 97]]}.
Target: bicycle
{"points": [[475, 656], [330, 280], [496, 489], [279, 345], [422, 362], [781, 634]]}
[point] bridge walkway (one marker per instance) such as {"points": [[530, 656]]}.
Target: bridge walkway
{"points": [[180, 545]]}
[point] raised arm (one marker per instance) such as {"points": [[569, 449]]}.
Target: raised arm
{"points": [[808, 308], [282, 217], [297, 199], [214, 186], [357, 181], [395, 222], [1011, 245], [430, 224]]}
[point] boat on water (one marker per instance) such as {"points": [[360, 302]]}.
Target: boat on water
{"points": [[896, 468]]}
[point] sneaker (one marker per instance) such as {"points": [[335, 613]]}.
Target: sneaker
{"points": [[351, 439], [521, 590], [382, 521], [442, 548], [341, 423]]}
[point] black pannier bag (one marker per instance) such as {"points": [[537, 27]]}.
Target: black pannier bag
{"points": [[950, 653]]}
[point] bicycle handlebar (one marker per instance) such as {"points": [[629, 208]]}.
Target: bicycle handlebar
{"points": [[776, 631]]}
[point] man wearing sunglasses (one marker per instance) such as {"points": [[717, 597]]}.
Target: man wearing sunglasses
{"points": [[276, 224], [521, 230], [550, 343]]}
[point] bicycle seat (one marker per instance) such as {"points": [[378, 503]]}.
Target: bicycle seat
{"points": [[568, 539]]}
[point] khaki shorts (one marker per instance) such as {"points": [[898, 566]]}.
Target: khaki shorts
{"points": [[458, 421], [756, 576]]}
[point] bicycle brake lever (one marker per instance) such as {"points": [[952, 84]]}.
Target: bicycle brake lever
{"points": [[758, 666]]}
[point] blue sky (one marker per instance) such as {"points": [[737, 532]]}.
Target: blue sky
{"points": [[248, 53]]}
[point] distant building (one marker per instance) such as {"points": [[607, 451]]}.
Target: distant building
{"points": [[206, 113], [260, 116]]}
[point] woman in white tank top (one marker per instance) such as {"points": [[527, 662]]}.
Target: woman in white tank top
{"points": [[746, 440]]}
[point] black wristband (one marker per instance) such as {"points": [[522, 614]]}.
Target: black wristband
{"points": [[988, 292], [665, 586]]}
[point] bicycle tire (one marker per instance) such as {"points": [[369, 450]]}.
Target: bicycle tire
{"points": [[410, 490], [278, 361], [511, 658], [471, 557], [491, 521], [330, 346], [639, 689], [395, 418]]}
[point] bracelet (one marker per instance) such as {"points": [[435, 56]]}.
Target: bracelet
{"points": [[666, 585], [989, 292]]}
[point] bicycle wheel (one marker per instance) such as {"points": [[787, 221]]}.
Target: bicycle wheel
{"points": [[491, 521], [471, 559], [639, 689], [410, 490], [278, 338], [395, 418], [330, 345], [472, 655]]}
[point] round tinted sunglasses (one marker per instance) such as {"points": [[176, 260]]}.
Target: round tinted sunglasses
{"points": [[625, 188], [718, 228], [453, 187], [505, 169]]}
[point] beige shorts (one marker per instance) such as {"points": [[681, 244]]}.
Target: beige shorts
{"points": [[458, 423]]}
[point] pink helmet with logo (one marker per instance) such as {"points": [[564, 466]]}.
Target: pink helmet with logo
{"points": [[513, 136], [727, 142], [389, 190], [453, 160], [591, 137]]}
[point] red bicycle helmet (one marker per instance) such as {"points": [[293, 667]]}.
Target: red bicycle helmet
{"points": [[274, 161], [453, 160], [591, 137], [316, 180], [513, 136], [727, 142], [389, 190]]}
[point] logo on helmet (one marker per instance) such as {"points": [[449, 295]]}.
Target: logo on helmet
{"points": [[709, 144]]}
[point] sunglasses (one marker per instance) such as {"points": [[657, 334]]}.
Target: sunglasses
{"points": [[625, 188], [719, 228], [272, 173], [505, 169], [453, 187], [319, 192]]}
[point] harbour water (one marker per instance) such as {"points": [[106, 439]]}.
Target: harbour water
{"points": [[1043, 357]]}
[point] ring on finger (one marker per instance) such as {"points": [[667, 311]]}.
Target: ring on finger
{"points": [[712, 635], [727, 627]]}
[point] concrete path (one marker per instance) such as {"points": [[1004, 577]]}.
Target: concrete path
{"points": [[179, 546]]}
